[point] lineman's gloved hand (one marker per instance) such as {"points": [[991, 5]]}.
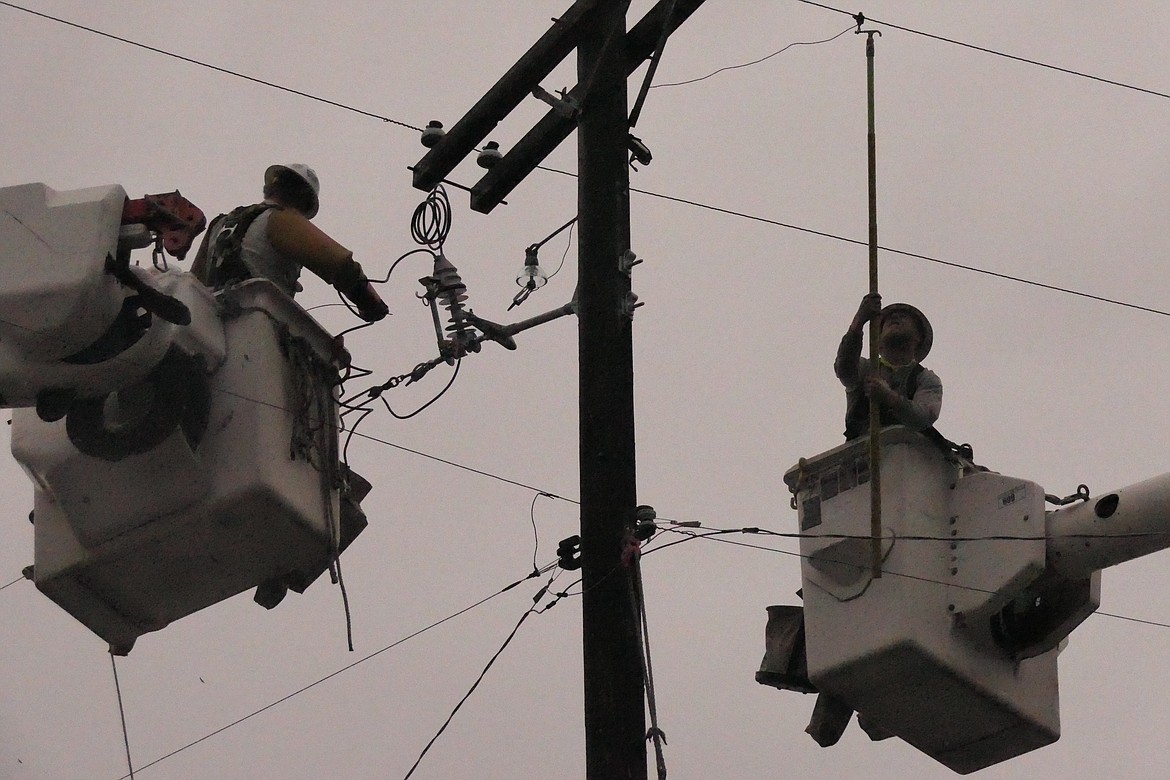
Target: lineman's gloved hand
{"points": [[870, 307], [351, 282]]}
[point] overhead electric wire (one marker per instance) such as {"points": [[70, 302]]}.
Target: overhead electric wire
{"points": [[343, 669], [354, 433], [533, 609], [689, 535], [904, 253], [541, 492], [311, 96], [18, 579], [753, 62], [985, 50], [208, 65], [730, 212], [892, 250], [716, 535]]}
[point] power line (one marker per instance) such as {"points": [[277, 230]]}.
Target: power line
{"points": [[1025, 60], [891, 250], [208, 65], [974, 269], [533, 609], [343, 669], [715, 535], [472, 469], [310, 96], [351, 432], [18, 579]]}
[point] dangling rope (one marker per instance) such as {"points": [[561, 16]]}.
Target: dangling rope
{"points": [[654, 733], [122, 714]]}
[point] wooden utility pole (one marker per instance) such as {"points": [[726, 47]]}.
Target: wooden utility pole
{"points": [[615, 718], [615, 722]]}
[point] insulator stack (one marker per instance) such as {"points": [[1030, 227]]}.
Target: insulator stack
{"points": [[451, 292]]}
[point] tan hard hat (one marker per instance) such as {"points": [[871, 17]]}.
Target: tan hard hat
{"points": [[305, 174], [923, 326]]}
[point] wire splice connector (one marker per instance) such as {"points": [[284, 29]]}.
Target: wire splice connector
{"points": [[569, 553]]}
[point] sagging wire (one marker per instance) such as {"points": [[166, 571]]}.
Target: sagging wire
{"points": [[355, 327], [753, 62], [985, 50], [534, 609], [419, 410], [463, 332], [346, 668], [532, 519]]}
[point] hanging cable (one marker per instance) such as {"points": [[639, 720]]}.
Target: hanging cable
{"points": [[655, 732], [532, 517], [339, 581], [18, 579], [408, 415], [343, 669], [535, 600], [753, 62], [564, 255], [122, 714]]}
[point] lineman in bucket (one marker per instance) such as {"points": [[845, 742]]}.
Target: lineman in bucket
{"points": [[274, 239], [907, 392]]}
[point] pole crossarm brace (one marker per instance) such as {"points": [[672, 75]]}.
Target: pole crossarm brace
{"points": [[640, 44]]}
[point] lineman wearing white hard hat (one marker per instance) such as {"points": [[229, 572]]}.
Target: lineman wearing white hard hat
{"points": [[274, 239], [907, 392]]}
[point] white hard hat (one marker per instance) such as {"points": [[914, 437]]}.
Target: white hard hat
{"points": [[305, 174]]}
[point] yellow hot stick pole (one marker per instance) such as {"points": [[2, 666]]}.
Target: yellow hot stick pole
{"points": [[875, 426]]}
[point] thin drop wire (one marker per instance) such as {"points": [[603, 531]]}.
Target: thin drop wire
{"points": [[122, 715], [340, 671], [478, 680], [753, 62]]}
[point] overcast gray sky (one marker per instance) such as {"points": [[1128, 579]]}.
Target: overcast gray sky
{"points": [[983, 161]]}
